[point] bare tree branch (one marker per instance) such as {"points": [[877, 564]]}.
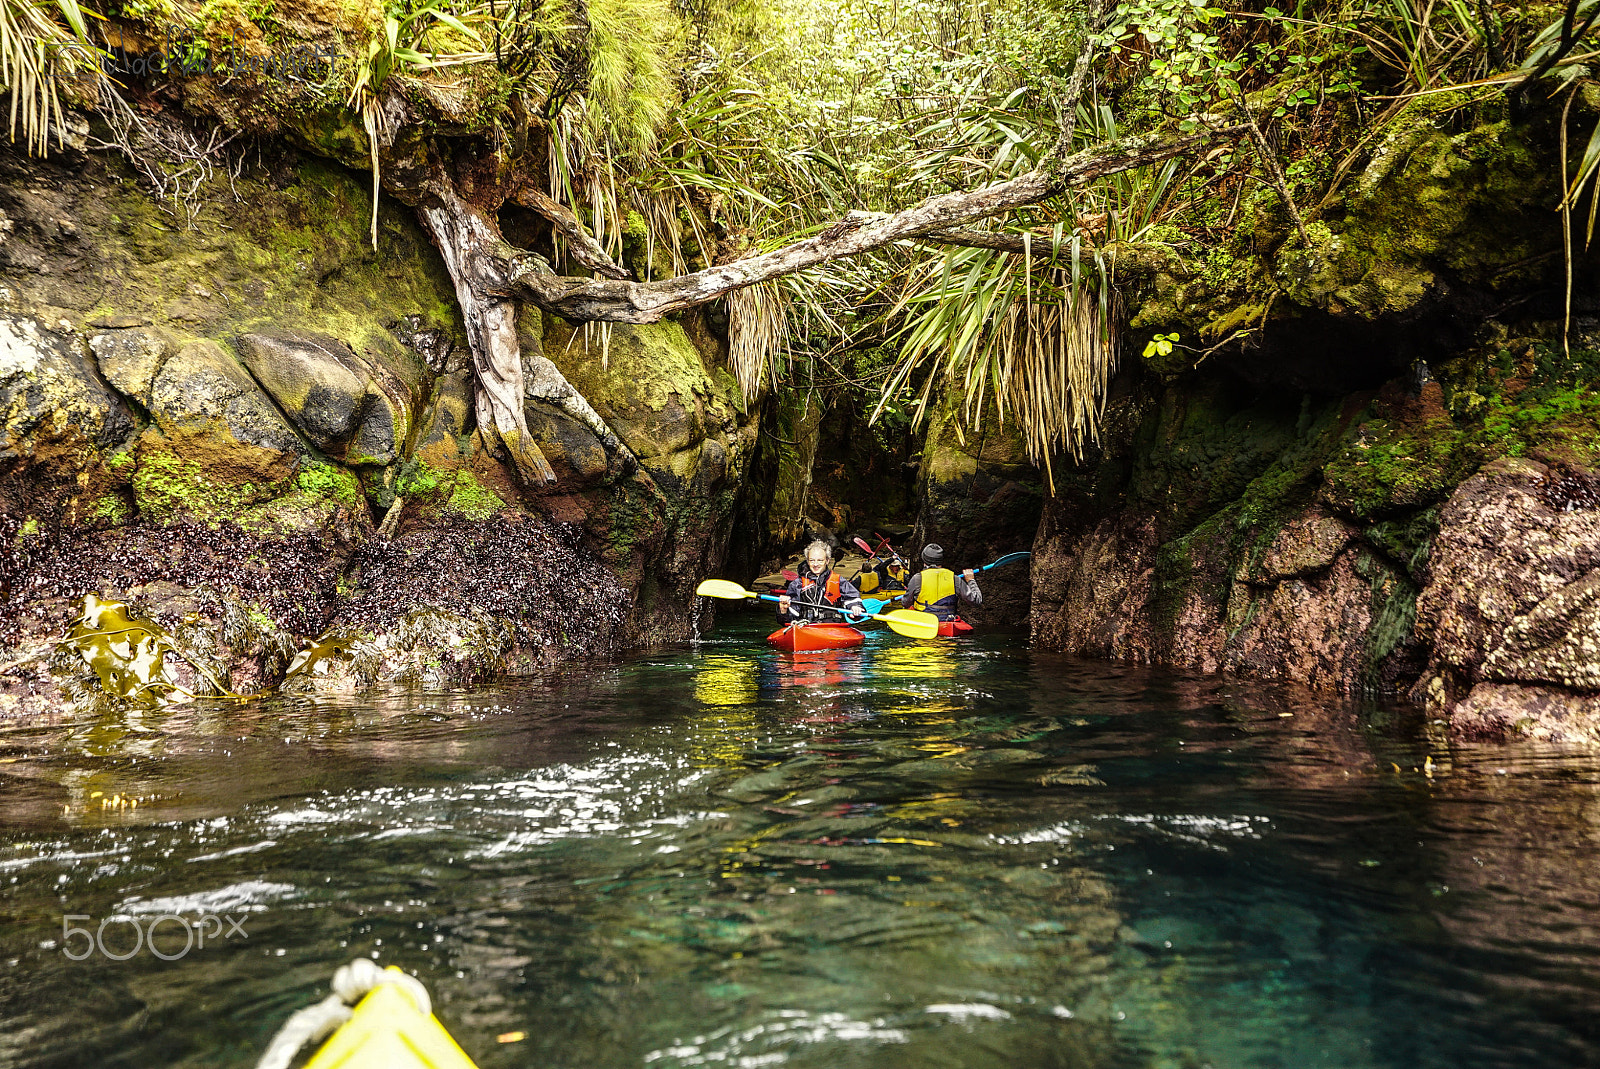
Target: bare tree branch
{"points": [[1269, 160], [585, 249], [610, 300], [1019, 242]]}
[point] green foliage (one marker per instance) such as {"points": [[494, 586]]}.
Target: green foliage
{"points": [[631, 46], [1160, 345], [332, 482]]}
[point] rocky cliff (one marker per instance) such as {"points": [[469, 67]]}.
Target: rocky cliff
{"points": [[238, 418], [1389, 486]]}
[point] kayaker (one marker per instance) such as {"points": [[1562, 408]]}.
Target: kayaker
{"points": [[886, 574], [891, 574], [937, 589], [816, 585]]}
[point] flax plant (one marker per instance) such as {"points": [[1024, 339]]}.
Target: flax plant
{"points": [[41, 46], [1036, 332]]}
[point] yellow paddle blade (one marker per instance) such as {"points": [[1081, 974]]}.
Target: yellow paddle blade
{"points": [[912, 624], [723, 588]]}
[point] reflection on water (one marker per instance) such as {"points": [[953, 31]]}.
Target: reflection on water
{"points": [[914, 853]]}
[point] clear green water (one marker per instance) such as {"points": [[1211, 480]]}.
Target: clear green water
{"points": [[918, 854]]}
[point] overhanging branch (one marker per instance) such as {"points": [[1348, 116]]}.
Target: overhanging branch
{"points": [[585, 249], [621, 301]]}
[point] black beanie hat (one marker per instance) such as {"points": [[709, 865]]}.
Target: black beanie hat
{"points": [[933, 553]]}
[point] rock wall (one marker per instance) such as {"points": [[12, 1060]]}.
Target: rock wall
{"points": [[257, 432], [1388, 486], [1432, 540]]}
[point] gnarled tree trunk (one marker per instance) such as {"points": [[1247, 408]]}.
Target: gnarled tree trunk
{"points": [[473, 252], [464, 237]]}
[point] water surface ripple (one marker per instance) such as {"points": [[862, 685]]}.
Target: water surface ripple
{"points": [[947, 853]]}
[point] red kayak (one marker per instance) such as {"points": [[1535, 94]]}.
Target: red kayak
{"points": [[952, 628], [798, 638]]}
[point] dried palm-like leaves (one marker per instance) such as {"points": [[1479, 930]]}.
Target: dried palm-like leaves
{"points": [[42, 45]]}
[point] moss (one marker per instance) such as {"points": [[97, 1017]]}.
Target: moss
{"points": [[1394, 616], [332, 482], [165, 486], [110, 509], [1544, 404], [649, 382], [1428, 196], [29, 528], [1406, 540], [455, 492], [1560, 422], [1391, 464], [296, 255], [417, 478], [1179, 570], [472, 499]]}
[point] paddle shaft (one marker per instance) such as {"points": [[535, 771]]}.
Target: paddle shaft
{"points": [[890, 620], [1009, 558], [861, 543], [808, 604], [901, 621]]}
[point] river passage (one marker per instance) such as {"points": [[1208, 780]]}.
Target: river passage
{"points": [[951, 853]]}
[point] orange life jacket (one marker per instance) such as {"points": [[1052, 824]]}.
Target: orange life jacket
{"points": [[831, 592]]}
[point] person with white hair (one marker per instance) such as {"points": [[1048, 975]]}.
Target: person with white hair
{"points": [[937, 589], [817, 585]]}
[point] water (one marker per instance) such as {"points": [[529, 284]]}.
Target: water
{"points": [[918, 854]]}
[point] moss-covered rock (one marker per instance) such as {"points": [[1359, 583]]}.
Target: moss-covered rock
{"points": [[50, 394], [203, 395], [578, 457], [649, 383], [129, 358], [350, 407]]}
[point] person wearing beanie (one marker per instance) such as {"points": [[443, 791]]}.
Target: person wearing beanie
{"points": [[937, 589]]}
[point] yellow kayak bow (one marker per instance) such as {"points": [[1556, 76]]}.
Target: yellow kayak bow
{"points": [[391, 1027], [388, 1032]]}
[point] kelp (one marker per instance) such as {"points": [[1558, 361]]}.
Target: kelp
{"points": [[319, 655], [129, 654]]}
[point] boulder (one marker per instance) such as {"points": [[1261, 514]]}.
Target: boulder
{"points": [[1557, 641], [1511, 587], [50, 393], [130, 358], [648, 383], [203, 392], [349, 406], [447, 421], [566, 443], [218, 444]]}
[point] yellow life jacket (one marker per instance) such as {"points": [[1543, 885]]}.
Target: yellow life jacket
{"points": [[937, 584]]}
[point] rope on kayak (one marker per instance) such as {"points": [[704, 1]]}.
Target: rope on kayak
{"points": [[350, 985]]}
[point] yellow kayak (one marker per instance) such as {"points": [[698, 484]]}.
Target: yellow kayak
{"points": [[387, 1031]]}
